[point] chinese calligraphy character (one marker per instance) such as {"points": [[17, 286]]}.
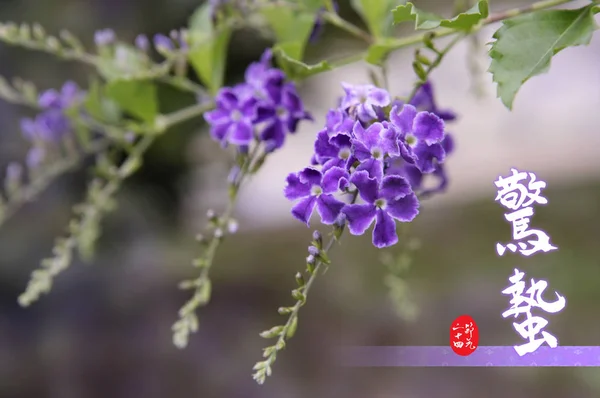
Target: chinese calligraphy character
{"points": [[515, 196], [522, 304]]}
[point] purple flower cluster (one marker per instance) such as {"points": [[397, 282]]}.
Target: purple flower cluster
{"points": [[265, 107], [374, 148], [51, 125]]}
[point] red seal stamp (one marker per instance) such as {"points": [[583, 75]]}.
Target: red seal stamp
{"points": [[464, 335]]}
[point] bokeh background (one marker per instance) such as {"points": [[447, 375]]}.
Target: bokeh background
{"points": [[104, 331]]}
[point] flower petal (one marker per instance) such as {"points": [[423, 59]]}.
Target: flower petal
{"points": [[403, 119], [428, 127], [404, 209], [240, 133], [227, 99], [273, 135], [304, 209], [295, 189], [334, 179], [384, 233], [373, 166], [310, 176], [329, 208], [217, 116], [368, 188], [393, 187], [359, 217], [378, 97], [426, 155], [323, 147]]}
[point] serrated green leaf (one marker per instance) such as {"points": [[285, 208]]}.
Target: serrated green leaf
{"points": [[297, 70], [138, 97], [291, 28], [209, 46], [426, 20], [524, 45], [376, 14]]}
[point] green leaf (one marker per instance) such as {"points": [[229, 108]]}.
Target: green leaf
{"points": [[138, 97], [291, 28], [379, 51], [426, 20], [100, 107], [524, 45], [209, 44], [296, 70], [126, 62], [376, 14]]}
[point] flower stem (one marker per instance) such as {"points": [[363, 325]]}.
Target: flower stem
{"points": [[283, 333], [188, 320], [41, 181], [436, 62], [396, 44]]}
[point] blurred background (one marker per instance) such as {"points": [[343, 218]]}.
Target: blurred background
{"points": [[104, 331]]}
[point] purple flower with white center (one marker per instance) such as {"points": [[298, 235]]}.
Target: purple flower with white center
{"points": [[422, 133], [364, 99], [282, 115], [373, 144], [424, 100], [315, 189], [232, 120], [416, 178], [104, 37], [142, 42], [333, 151], [386, 201], [262, 79]]}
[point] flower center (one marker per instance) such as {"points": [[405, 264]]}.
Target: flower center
{"points": [[377, 153], [411, 140], [381, 203], [281, 111], [362, 98], [316, 190], [344, 153], [236, 115]]}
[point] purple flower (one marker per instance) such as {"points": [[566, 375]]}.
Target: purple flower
{"points": [[364, 100], [422, 133], [52, 124], [282, 114], [315, 189], [425, 101], [162, 42], [373, 144], [261, 79], [333, 151], [68, 95], [232, 120], [264, 101], [416, 178], [392, 199], [338, 121], [142, 42], [104, 37]]}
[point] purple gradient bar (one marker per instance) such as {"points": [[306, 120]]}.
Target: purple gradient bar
{"points": [[438, 356]]}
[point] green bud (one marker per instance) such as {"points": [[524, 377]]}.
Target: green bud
{"points": [[419, 70], [292, 328], [300, 279], [271, 333]]}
